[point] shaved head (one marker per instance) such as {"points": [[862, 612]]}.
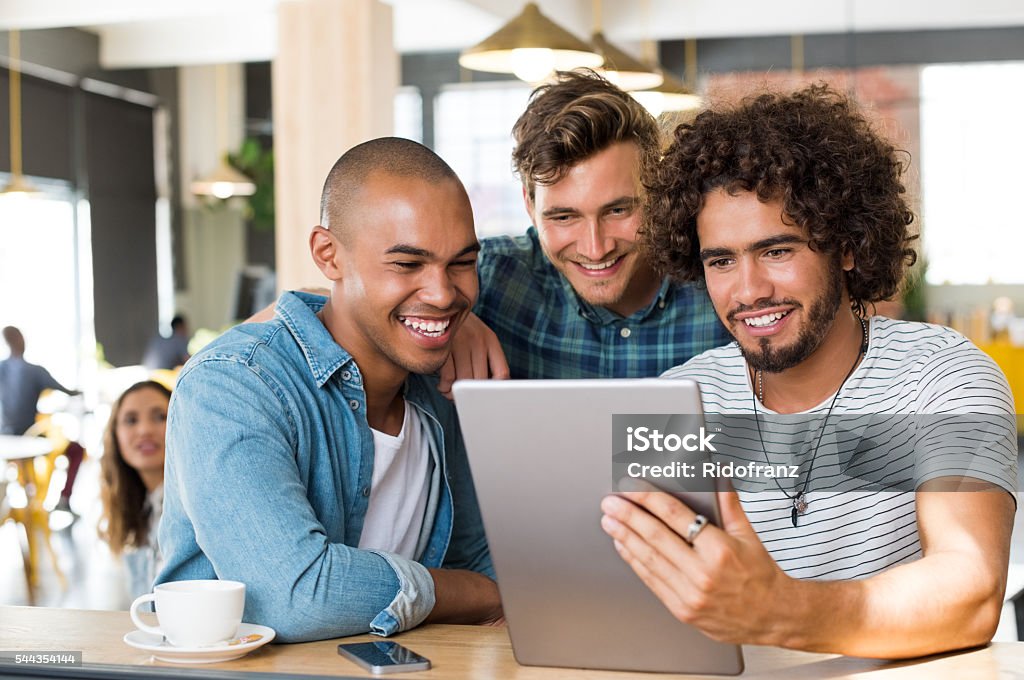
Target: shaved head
{"points": [[393, 156]]}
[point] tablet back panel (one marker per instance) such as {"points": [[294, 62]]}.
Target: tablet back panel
{"points": [[541, 458]]}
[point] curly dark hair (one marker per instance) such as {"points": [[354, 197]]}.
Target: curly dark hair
{"points": [[811, 149], [573, 118]]}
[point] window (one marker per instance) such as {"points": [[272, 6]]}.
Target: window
{"points": [[38, 271], [409, 114], [473, 133], [971, 146]]}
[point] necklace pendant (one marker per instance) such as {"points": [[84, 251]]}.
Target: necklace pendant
{"points": [[799, 507]]}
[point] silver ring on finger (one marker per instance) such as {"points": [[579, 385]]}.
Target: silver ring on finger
{"points": [[696, 526]]}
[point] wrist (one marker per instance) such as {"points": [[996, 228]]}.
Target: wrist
{"points": [[463, 596], [817, 614]]}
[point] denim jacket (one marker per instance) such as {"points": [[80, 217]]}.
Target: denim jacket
{"points": [[267, 481]]}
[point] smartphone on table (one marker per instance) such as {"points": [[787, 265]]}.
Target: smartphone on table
{"points": [[383, 657]]}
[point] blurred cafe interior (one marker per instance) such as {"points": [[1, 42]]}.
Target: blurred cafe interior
{"points": [[172, 157]]}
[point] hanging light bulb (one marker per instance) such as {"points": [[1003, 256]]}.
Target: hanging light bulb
{"points": [[18, 185], [223, 183], [532, 64]]}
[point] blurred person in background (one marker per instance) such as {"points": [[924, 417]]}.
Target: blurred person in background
{"points": [[132, 483], [21, 383], [171, 352]]}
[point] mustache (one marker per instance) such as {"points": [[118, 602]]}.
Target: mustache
{"points": [[766, 304], [429, 311], [614, 255]]}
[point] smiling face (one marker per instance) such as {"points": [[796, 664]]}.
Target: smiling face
{"points": [[140, 428], [777, 296], [587, 222], [406, 273]]}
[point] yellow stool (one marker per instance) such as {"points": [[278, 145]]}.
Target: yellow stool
{"points": [[1011, 360], [34, 475]]}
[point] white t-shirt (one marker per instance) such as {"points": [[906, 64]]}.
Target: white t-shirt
{"points": [[400, 489], [144, 561], [909, 368]]}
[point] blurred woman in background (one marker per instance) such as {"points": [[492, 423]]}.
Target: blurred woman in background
{"points": [[132, 480]]}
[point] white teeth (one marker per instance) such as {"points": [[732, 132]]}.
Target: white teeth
{"points": [[599, 266], [765, 320], [429, 328]]}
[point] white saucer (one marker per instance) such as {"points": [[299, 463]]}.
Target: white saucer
{"points": [[165, 651]]}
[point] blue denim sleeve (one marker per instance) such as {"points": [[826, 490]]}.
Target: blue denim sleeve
{"points": [[236, 493], [468, 547]]}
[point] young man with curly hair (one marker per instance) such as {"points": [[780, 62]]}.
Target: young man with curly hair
{"points": [[574, 297], [791, 210]]}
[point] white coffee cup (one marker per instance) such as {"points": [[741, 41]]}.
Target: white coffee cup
{"points": [[194, 613]]}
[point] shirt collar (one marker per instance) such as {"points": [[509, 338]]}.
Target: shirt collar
{"points": [[297, 311], [605, 316]]}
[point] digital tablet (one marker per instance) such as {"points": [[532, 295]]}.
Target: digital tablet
{"points": [[543, 453]]}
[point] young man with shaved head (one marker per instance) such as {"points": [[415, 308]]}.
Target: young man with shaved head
{"points": [[890, 534], [308, 456]]}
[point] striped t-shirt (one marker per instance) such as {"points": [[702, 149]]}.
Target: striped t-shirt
{"points": [[912, 372]]}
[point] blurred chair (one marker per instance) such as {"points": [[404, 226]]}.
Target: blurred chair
{"points": [[167, 377], [35, 476]]}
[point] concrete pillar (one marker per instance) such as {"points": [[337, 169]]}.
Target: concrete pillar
{"points": [[334, 82]]}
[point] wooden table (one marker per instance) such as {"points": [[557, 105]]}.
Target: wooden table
{"points": [[467, 652], [23, 451]]}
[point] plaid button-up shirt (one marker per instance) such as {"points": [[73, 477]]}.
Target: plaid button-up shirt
{"points": [[547, 331]]}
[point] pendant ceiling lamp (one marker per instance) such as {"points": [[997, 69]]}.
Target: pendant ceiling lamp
{"points": [[531, 46], [225, 181], [673, 94], [625, 71], [628, 72], [17, 185]]}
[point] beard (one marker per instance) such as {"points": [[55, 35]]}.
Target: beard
{"points": [[821, 314]]}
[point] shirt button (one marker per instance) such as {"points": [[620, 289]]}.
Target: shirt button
{"points": [[625, 332], [661, 305], [346, 375], [366, 492], [354, 404]]}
